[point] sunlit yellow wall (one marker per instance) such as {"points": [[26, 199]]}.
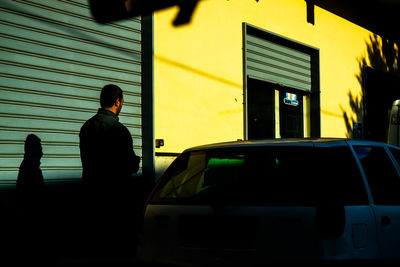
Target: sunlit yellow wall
{"points": [[198, 70]]}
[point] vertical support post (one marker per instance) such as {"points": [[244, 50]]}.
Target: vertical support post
{"points": [[148, 143], [245, 120], [277, 116]]}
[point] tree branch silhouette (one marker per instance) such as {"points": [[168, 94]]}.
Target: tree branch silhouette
{"points": [[382, 55]]}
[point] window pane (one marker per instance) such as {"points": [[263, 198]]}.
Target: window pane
{"points": [[342, 181], [185, 177], [295, 176], [381, 174]]}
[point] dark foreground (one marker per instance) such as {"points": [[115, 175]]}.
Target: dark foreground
{"points": [[56, 227], [62, 224]]}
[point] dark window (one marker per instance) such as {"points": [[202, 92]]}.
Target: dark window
{"points": [[261, 109], [342, 181], [396, 153], [381, 174], [295, 176]]}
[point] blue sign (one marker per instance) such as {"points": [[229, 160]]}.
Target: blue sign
{"points": [[291, 99]]}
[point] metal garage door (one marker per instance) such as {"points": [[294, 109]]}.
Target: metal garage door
{"points": [[54, 60], [275, 63]]}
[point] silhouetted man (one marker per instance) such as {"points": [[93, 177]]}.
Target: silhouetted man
{"points": [[108, 161], [106, 144]]}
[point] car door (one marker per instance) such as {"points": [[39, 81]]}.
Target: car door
{"points": [[343, 201], [384, 182]]}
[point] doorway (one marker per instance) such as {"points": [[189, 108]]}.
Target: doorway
{"points": [[273, 111], [260, 109], [291, 118]]}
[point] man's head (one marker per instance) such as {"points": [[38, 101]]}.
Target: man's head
{"points": [[111, 98]]}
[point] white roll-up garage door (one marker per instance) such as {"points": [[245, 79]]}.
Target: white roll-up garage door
{"points": [[54, 60]]}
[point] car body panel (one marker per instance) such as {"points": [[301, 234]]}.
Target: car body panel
{"points": [[388, 228]]}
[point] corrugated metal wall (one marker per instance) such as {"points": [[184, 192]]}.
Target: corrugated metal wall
{"points": [[54, 60], [275, 63]]}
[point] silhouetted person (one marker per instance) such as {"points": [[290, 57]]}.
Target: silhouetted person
{"points": [[108, 161], [30, 190], [30, 177]]}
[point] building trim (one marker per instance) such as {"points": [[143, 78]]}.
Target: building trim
{"points": [[148, 141]]}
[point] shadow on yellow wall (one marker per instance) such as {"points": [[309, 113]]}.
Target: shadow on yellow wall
{"points": [[196, 71], [382, 55]]}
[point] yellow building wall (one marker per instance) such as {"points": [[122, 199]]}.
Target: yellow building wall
{"points": [[198, 69]]}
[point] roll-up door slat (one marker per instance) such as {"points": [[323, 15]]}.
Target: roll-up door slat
{"points": [[34, 15], [275, 48], [78, 46], [276, 63], [15, 47], [75, 9], [63, 35]]}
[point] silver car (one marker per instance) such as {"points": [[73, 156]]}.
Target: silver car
{"points": [[253, 202]]}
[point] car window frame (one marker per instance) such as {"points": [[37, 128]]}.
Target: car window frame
{"points": [[345, 143], [351, 144], [392, 157], [354, 143]]}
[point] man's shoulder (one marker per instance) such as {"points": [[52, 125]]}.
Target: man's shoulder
{"points": [[121, 127], [121, 130], [92, 126], [104, 122], [89, 121], [101, 118]]}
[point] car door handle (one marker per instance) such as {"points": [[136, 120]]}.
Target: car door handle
{"points": [[385, 221]]}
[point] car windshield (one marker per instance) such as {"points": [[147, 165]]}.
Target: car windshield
{"points": [[258, 176]]}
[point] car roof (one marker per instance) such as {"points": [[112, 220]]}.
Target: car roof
{"points": [[286, 142]]}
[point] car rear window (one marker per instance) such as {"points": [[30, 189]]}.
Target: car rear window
{"points": [[299, 176]]}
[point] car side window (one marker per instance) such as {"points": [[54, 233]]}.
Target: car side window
{"points": [[186, 178], [272, 176], [381, 174]]}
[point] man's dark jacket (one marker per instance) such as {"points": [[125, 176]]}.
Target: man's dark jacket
{"points": [[106, 151]]}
